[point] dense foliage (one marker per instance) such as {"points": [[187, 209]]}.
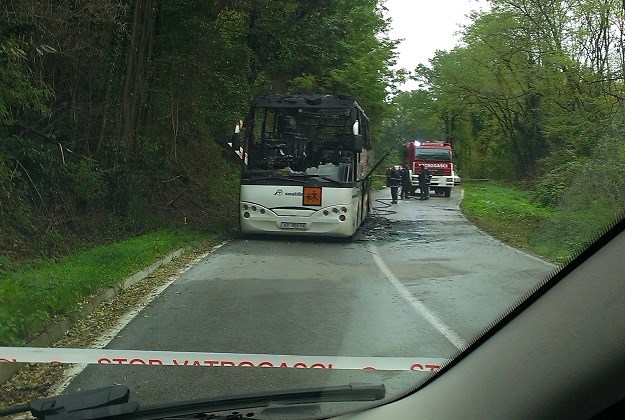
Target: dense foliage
{"points": [[114, 113], [533, 95]]}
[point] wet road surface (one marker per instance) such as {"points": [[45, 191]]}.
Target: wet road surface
{"points": [[417, 280]]}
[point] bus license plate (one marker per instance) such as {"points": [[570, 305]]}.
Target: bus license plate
{"points": [[292, 225]]}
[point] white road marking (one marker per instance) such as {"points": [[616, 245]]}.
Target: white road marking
{"points": [[418, 306]]}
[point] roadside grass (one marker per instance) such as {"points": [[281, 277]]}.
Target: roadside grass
{"points": [[509, 214], [33, 297], [505, 212], [570, 231], [556, 233]]}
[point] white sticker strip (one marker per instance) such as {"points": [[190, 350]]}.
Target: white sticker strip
{"points": [[173, 358]]}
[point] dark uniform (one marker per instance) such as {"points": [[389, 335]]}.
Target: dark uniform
{"points": [[424, 182], [393, 181], [405, 182]]}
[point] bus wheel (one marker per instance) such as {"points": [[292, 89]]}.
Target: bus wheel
{"points": [[447, 192]]}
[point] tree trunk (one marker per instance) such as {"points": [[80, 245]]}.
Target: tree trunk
{"points": [[135, 80]]}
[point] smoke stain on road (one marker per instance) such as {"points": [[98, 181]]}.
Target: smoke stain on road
{"points": [[378, 228]]}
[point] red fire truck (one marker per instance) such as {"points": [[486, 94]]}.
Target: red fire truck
{"points": [[437, 157]]}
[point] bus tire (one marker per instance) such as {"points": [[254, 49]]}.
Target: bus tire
{"points": [[447, 192]]}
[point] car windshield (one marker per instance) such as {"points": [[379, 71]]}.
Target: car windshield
{"points": [[206, 199]]}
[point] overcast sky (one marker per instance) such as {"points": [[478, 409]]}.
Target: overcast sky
{"points": [[427, 26]]}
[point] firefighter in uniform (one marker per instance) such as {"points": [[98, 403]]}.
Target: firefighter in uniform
{"points": [[393, 181], [405, 182], [424, 182]]}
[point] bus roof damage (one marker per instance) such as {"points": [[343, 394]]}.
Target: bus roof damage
{"points": [[304, 131]]}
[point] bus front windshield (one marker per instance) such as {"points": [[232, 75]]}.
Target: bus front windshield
{"points": [[299, 142]]}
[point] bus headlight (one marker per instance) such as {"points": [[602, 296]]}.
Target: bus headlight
{"points": [[342, 217], [246, 215]]}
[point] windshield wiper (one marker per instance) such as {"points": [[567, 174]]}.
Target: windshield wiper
{"points": [[99, 403], [347, 393], [113, 402]]}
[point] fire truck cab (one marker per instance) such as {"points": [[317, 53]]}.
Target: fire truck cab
{"points": [[437, 157]]}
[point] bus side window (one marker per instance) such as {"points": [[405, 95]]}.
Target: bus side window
{"points": [[257, 128]]}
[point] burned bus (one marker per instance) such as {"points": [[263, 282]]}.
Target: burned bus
{"points": [[305, 165]]}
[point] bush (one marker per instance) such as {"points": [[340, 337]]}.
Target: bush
{"points": [[554, 184], [589, 196], [88, 180]]}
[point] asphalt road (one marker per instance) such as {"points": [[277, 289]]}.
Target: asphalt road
{"points": [[416, 281]]}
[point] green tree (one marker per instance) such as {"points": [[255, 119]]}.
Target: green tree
{"points": [[128, 115], [323, 46], [516, 91], [412, 117]]}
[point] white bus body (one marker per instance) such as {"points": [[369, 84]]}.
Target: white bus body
{"points": [[305, 165], [278, 209]]}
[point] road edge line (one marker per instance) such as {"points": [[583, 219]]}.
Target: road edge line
{"points": [[419, 306]]}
